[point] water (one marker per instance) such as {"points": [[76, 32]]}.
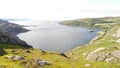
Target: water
{"points": [[50, 35]]}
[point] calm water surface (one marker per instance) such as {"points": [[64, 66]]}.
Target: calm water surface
{"points": [[50, 35]]}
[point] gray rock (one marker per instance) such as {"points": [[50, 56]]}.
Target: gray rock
{"points": [[111, 60], [101, 58], [43, 62], [116, 53], [92, 57], [18, 58]]}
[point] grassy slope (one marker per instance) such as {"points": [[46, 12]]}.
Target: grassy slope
{"points": [[108, 42], [77, 60]]}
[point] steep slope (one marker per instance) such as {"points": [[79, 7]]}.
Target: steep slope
{"points": [[8, 33]]}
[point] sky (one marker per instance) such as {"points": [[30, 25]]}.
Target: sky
{"points": [[58, 9]]}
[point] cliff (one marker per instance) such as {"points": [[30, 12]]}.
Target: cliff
{"points": [[8, 33]]}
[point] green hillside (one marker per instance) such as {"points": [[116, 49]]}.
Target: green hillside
{"points": [[105, 22]]}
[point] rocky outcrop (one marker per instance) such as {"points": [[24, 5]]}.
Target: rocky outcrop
{"points": [[93, 56], [100, 55]]}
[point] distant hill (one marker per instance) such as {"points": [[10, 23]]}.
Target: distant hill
{"points": [[8, 19], [11, 27], [92, 22]]}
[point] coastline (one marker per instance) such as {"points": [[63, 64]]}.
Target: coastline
{"points": [[100, 35]]}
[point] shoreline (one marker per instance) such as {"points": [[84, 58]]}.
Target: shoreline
{"points": [[100, 34]]}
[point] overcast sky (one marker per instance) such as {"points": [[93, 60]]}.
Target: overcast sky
{"points": [[58, 9]]}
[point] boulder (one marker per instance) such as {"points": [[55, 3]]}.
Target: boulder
{"points": [[92, 57], [43, 62], [64, 55], [28, 51], [16, 57], [101, 58], [116, 53]]}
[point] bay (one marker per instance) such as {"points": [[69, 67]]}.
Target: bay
{"points": [[50, 35]]}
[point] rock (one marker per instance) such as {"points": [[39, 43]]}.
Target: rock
{"points": [[18, 58], [101, 58], [92, 57], [111, 60], [10, 57], [87, 65], [92, 30], [28, 51], [116, 53], [43, 52], [43, 62], [98, 50], [63, 54]]}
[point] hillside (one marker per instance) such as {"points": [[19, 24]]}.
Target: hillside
{"points": [[104, 23], [11, 28], [101, 52]]}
